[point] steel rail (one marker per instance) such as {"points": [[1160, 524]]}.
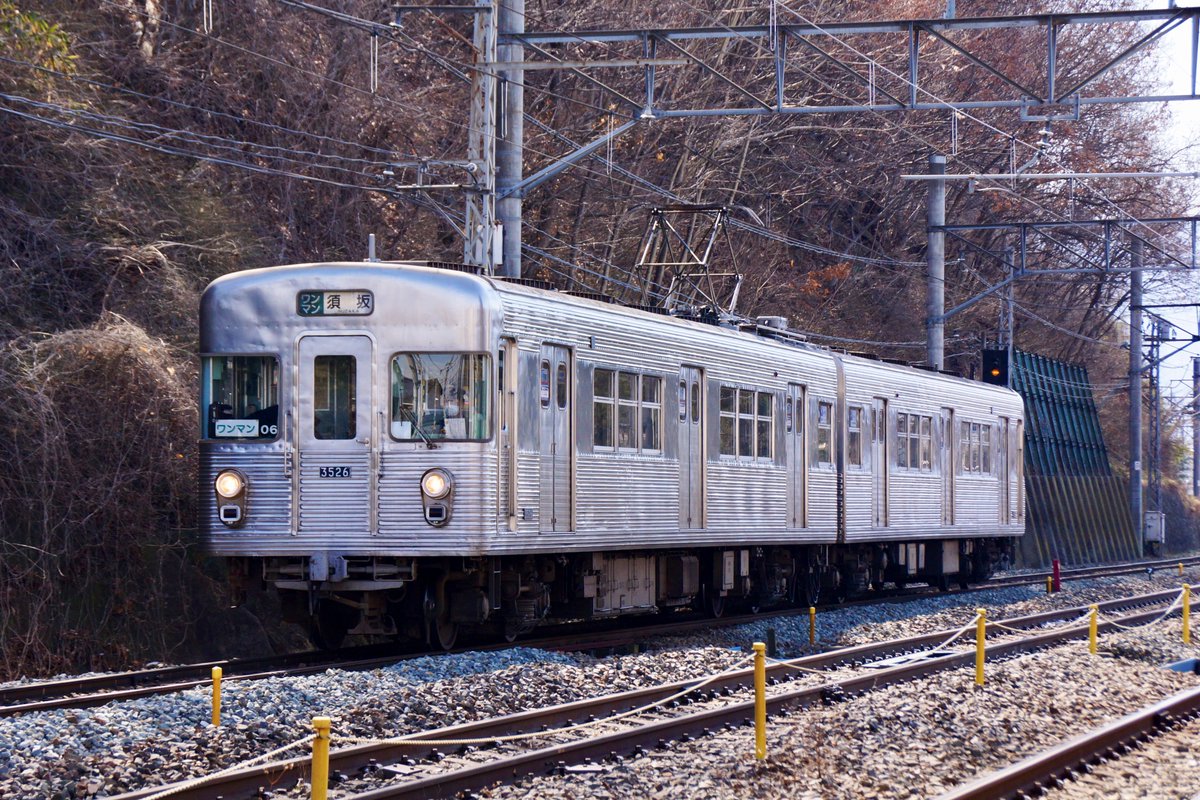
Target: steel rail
{"points": [[358, 757], [95, 690], [1043, 769]]}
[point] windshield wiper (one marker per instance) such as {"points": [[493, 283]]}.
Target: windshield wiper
{"points": [[412, 417]]}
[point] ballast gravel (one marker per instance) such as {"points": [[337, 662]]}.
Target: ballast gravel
{"points": [[160, 739]]}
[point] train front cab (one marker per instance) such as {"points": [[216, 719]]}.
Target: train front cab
{"points": [[346, 421]]}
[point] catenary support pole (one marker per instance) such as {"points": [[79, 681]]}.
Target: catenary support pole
{"points": [[935, 260], [1196, 427], [1135, 388], [510, 138]]}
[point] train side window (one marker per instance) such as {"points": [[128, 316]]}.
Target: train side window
{"points": [[926, 461], [824, 432], [651, 412], [334, 414], [745, 427], [696, 403], [764, 423], [728, 421], [603, 408], [627, 410], [964, 447], [560, 382], [544, 383], [683, 401], [854, 449], [985, 449], [901, 440]]}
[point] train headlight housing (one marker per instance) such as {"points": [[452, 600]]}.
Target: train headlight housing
{"points": [[230, 487], [230, 484], [437, 496]]}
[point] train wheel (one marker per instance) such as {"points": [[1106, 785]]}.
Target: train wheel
{"points": [[442, 631], [328, 627]]}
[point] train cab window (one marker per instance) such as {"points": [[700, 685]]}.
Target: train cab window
{"points": [[824, 433], [441, 396], [240, 397], [854, 433]]}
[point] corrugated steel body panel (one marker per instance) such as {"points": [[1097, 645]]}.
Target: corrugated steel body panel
{"points": [[740, 499], [269, 505]]}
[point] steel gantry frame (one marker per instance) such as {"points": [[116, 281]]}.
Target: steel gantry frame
{"points": [[505, 52], [1045, 100]]}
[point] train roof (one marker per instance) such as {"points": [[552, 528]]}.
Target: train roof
{"points": [[248, 293]]}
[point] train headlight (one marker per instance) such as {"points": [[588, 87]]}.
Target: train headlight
{"points": [[230, 484], [437, 496], [435, 484]]}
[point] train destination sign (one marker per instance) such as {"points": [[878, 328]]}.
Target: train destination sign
{"points": [[347, 303]]}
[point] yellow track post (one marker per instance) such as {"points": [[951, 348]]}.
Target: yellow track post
{"points": [[812, 626], [320, 758], [1187, 614], [1181, 569], [1093, 621], [760, 701], [1049, 584], [216, 695], [980, 643]]}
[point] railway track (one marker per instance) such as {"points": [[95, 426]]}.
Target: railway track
{"points": [[1065, 762], [95, 690], [418, 765]]}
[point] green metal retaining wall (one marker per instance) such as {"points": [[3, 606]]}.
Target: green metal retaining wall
{"points": [[1076, 508]]}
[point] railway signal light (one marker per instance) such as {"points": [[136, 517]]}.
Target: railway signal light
{"points": [[995, 367]]}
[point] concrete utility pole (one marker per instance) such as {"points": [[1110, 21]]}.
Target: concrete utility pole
{"points": [[1195, 426], [479, 247], [509, 153], [1135, 387], [935, 259]]}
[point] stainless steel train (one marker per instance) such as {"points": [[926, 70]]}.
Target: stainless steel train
{"points": [[409, 449]]}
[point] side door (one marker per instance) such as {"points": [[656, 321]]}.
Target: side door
{"points": [[879, 462], [334, 435], [554, 410], [691, 447], [797, 455], [1001, 466], [949, 464]]}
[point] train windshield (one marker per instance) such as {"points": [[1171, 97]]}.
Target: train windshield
{"points": [[239, 397], [441, 396]]}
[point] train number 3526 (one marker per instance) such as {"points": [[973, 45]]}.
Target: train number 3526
{"points": [[334, 472]]}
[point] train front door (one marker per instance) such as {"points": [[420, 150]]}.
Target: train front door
{"points": [[334, 436], [554, 408], [691, 448], [797, 455]]}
